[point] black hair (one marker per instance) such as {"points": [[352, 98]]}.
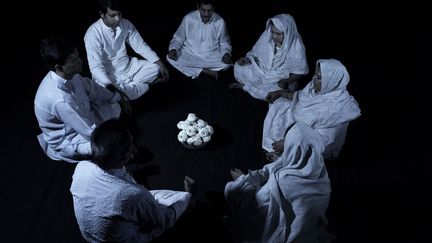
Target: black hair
{"points": [[211, 2], [111, 4], [110, 144], [55, 50]]}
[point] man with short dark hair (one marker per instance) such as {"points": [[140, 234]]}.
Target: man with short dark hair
{"points": [[105, 43], [69, 106], [109, 205], [201, 43]]}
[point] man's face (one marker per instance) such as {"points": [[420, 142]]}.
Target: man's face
{"points": [[206, 12], [73, 64], [277, 35], [111, 18]]}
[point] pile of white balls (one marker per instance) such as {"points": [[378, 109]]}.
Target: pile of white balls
{"points": [[194, 132]]}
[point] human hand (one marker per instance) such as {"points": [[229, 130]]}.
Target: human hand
{"points": [[236, 173], [125, 105], [278, 146], [226, 58], [163, 70], [243, 61], [189, 184], [272, 156], [283, 83], [172, 54], [274, 95], [236, 85]]}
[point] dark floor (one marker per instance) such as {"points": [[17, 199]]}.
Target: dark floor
{"points": [[379, 183]]}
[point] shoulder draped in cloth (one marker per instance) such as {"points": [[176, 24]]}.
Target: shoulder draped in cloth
{"points": [[329, 111], [268, 67], [285, 201]]}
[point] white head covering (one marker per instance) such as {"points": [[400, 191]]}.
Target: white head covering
{"points": [[333, 104], [302, 161], [303, 186], [293, 54]]}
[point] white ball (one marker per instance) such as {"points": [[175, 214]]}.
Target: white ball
{"points": [[182, 136]]}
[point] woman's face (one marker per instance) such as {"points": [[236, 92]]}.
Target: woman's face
{"points": [[317, 79], [277, 35]]}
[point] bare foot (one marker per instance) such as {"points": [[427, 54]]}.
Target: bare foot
{"points": [[211, 73], [236, 173], [159, 80], [236, 85], [134, 151], [189, 184]]}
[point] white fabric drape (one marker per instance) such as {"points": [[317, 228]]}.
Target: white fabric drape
{"points": [[285, 201], [328, 111], [268, 67]]}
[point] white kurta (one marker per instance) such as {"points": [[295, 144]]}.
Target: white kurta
{"points": [[67, 112], [328, 112], [270, 64], [200, 45], [110, 206], [109, 62], [286, 201]]}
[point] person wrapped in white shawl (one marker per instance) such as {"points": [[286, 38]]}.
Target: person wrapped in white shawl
{"points": [[324, 104], [201, 43], [285, 201], [277, 60]]}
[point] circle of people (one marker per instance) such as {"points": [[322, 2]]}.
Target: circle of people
{"points": [[285, 201]]}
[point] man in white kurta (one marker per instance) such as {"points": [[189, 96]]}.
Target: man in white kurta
{"points": [[276, 61], [324, 104], [105, 43], [286, 201], [201, 43], [69, 106], [109, 205]]}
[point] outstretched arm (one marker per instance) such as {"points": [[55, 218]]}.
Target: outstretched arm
{"points": [[283, 83], [272, 96]]}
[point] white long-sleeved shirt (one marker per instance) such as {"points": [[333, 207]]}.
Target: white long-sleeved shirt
{"points": [[200, 45], [107, 55], [109, 205], [67, 112], [195, 36]]}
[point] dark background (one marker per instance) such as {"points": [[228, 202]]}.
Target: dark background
{"points": [[381, 180]]}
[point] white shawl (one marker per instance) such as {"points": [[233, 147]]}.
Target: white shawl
{"points": [[328, 111], [267, 67], [285, 201], [293, 54]]}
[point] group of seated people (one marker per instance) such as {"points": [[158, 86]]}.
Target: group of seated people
{"points": [[82, 122]]}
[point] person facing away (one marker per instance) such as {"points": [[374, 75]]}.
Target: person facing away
{"points": [[277, 60], [286, 200], [109, 205], [201, 43], [323, 104], [69, 106], [105, 43]]}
